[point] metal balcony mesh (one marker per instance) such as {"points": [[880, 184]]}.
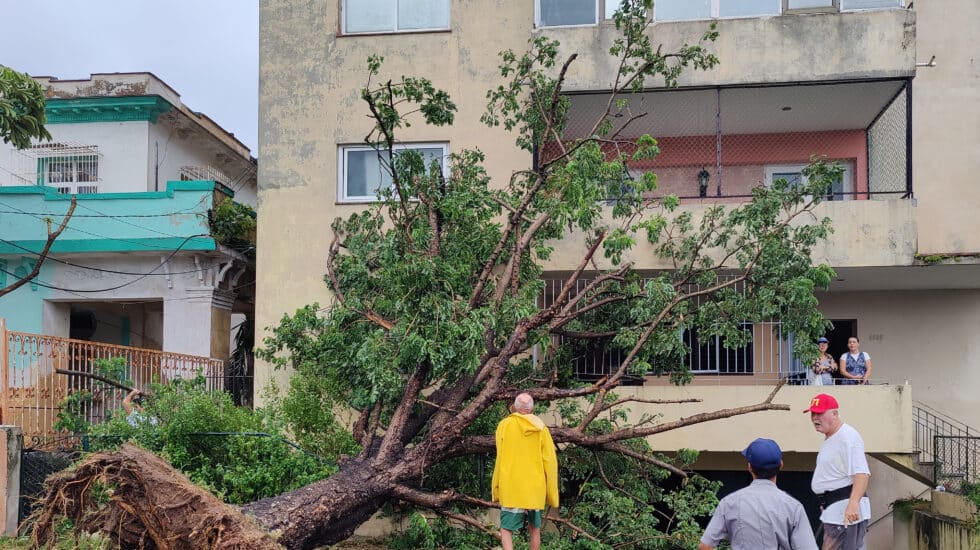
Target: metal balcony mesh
{"points": [[718, 144]]}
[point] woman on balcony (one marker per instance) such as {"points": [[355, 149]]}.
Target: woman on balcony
{"points": [[855, 365], [823, 366]]}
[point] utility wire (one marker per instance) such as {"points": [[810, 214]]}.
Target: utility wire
{"points": [[103, 270], [172, 254], [103, 236]]}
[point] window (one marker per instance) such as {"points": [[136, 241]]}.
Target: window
{"points": [[870, 4], [842, 189], [362, 174], [569, 13], [809, 4], [709, 355], [70, 174], [374, 16], [683, 10]]}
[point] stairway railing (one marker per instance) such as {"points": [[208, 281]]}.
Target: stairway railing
{"points": [[950, 445]]}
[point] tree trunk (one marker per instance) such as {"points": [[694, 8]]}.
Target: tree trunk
{"points": [[327, 511]]}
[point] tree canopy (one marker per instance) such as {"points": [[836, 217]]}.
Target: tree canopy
{"points": [[22, 115]]}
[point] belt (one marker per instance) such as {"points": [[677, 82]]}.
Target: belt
{"points": [[830, 497]]}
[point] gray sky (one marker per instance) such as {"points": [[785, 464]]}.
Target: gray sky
{"points": [[206, 50]]}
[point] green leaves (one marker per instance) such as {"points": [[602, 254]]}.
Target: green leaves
{"points": [[22, 115]]}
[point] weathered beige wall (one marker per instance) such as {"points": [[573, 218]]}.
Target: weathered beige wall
{"points": [[866, 233], [754, 50], [946, 127], [881, 413], [928, 338], [310, 81]]}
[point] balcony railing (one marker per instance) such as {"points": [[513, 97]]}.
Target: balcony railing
{"points": [[717, 144], [33, 390]]}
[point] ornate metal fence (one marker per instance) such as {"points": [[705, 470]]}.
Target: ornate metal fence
{"points": [[32, 387]]}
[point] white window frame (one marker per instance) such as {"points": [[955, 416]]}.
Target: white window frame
{"points": [[344, 150], [600, 15], [847, 176], [73, 185], [396, 30], [716, 11]]}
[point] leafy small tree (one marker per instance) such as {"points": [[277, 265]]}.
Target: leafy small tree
{"points": [[22, 115], [22, 119]]}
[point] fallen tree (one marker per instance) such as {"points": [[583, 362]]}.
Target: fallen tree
{"points": [[143, 503], [440, 314]]}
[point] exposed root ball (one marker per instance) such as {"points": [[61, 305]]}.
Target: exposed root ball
{"points": [[139, 501]]}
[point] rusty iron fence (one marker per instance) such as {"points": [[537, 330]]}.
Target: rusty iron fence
{"points": [[33, 389]]}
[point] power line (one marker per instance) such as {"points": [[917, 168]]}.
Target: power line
{"points": [[103, 270], [76, 291], [104, 236]]}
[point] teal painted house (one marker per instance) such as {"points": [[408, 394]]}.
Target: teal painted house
{"points": [[137, 263]]}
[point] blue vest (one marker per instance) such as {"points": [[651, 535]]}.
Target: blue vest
{"points": [[856, 367]]}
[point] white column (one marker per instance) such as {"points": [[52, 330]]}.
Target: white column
{"points": [[11, 442], [187, 323]]}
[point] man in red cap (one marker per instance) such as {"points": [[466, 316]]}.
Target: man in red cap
{"points": [[840, 478]]}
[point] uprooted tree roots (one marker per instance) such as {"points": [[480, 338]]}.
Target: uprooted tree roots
{"points": [[139, 501]]}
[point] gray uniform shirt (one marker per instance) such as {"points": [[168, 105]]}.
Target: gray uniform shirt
{"points": [[760, 516]]}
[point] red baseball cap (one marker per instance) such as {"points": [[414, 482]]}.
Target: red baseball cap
{"points": [[822, 403]]}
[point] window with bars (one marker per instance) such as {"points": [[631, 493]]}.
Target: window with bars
{"points": [[70, 174], [708, 354]]}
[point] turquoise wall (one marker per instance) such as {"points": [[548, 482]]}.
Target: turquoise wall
{"points": [[108, 222], [23, 307], [103, 222]]}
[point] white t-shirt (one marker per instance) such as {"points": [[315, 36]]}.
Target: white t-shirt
{"points": [[841, 456]]}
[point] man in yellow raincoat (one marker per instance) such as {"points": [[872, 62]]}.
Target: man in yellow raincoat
{"points": [[525, 475]]}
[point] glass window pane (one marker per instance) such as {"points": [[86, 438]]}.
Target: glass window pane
{"points": [[423, 14], [369, 15], [793, 179], [611, 7], [741, 8], [365, 174], [679, 10], [804, 4], [869, 4], [567, 12]]}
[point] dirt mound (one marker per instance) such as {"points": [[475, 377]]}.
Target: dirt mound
{"points": [[138, 500]]}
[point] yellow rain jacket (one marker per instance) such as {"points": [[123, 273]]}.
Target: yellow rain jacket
{"points": [[525, 474]]}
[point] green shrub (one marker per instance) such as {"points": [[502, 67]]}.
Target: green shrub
{"points": [[237, 453]]}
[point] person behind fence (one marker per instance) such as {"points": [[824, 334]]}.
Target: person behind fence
{"points": [[135, 414], [855, 365], [841, 477], [760, 516], [823, 367], [525, 474]]}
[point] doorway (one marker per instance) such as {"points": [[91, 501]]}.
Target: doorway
{"points": [[843, 329]]}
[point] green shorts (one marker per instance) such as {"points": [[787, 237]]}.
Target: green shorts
{"points": [[512, 519]]}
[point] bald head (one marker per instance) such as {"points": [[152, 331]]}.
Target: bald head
{"points": [[524, 403]]}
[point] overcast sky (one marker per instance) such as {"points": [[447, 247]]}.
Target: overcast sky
{"points": [[206, 50]]}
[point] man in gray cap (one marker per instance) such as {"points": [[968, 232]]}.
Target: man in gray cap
{"points": [[760, 515]]}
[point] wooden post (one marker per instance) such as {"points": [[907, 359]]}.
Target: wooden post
{"points": [[5, 374]]}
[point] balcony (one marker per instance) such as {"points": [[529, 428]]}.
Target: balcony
{"points": [[717, 144], [763, 50], [883, 415], [109, 222]]}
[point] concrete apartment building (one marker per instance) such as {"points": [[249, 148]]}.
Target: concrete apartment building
{"points": [[849, 79]]}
